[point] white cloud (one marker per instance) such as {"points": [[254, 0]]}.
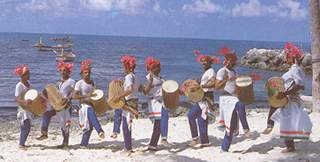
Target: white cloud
{"points": [[44, 5], [290, 9], [156, 7], [202, 7]]}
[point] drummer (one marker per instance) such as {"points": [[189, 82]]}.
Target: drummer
{"points": [[65, 86], [131, 88], [87, 117], [294, 120], [24, 116], [230, 106], [116, 123], [199, 110], [157, 112]]}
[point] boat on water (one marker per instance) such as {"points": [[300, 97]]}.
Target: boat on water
{"points": [[66, 44], [66, 56]]}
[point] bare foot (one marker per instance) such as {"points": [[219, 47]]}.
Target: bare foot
{"points": [[114, 135]]}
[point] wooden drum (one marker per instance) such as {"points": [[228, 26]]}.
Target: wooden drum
{"points": [[275, 85], [98, 101], [115, 89], [55, 98], [37, 106], [193, 90], [244, 89], [170, 94]]}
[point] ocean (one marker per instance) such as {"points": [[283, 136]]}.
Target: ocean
{"points": [[177, 61]]}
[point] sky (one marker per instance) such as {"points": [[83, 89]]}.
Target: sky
{"points": [[270, 20]]}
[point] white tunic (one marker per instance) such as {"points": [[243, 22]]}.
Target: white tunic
{"points": [[22, 114], [294, 120], [206, 77], [155, 101], [65, 88], [84, 89], [230, 86]]}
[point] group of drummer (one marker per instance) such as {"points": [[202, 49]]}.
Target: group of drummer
{"points": [[294, 121]]}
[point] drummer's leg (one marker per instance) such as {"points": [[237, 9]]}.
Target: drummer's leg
{"points": [[65, 122], [117, 120], [203, 129], [24, 132], [155, 135], [228, 136], [86, 136], [126, 134], [45, 121], [270, 123], [241, 111], [94, 120], [192, 116], [164, 123]]}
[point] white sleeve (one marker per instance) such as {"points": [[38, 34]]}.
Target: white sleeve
{"points": [[297, 76], [212, 74], [18, 90], [130, 80], [77, 87], [72, 83], [220, 74]]}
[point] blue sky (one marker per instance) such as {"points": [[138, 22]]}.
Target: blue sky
{"points": [[274, 20]]}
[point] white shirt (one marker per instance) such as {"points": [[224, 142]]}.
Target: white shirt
{"points": [[83, 87], [20, 89], [66, 87], [129, 80], [231, 84], [295, 73], [156, 90], [206, 77]]}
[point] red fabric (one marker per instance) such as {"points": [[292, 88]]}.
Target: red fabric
{"points": [[202, 57], [85, 65], [21, 69], [292, 51], [128, 61], [255, 76], [151, 63], [225, 50], [61, 65]]}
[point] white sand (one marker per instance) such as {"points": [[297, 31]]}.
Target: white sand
{"points": [[259, 147]]}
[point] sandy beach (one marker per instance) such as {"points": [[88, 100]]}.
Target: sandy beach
{"points": [[257, 147]]}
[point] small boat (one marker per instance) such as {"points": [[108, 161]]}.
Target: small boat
{"points": [[65, 56]]}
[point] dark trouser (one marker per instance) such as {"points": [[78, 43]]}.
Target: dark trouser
{"points": [[46, 118], [93, 122], [193, 115], [164, 123], [240, 112], [126, 134], [117, 120], [270, 123], [24, 131], [155, 134], [289, 143]]}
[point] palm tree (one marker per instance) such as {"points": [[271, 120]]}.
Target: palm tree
{"points": [[315, 50]]}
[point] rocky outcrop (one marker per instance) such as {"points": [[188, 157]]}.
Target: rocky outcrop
{"points": [[272, 59]]}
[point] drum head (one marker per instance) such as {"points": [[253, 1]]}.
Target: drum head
{"points": [[99, 94], [243, 81], [31, 94], [170, 86]]}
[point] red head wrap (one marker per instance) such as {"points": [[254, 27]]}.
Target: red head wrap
{"points": [[85, 65], [67, 66], [128, 61], [228, 55], [21, 69], [202, 57], [151, 63], [292, 51]]}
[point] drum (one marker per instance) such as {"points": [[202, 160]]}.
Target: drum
{"points": [[55, 98], [115, 89], [275, 85], [170, 94], [193, 90], [244, 89], [37, 107], [98, 101]]}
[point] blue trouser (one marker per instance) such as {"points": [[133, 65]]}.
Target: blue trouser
{"points": [[46, 117], [164, 123], [117, 120], [193, 115], [239, 111], [156, 133], [93, 122], [24, 131], [126, 134]]}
